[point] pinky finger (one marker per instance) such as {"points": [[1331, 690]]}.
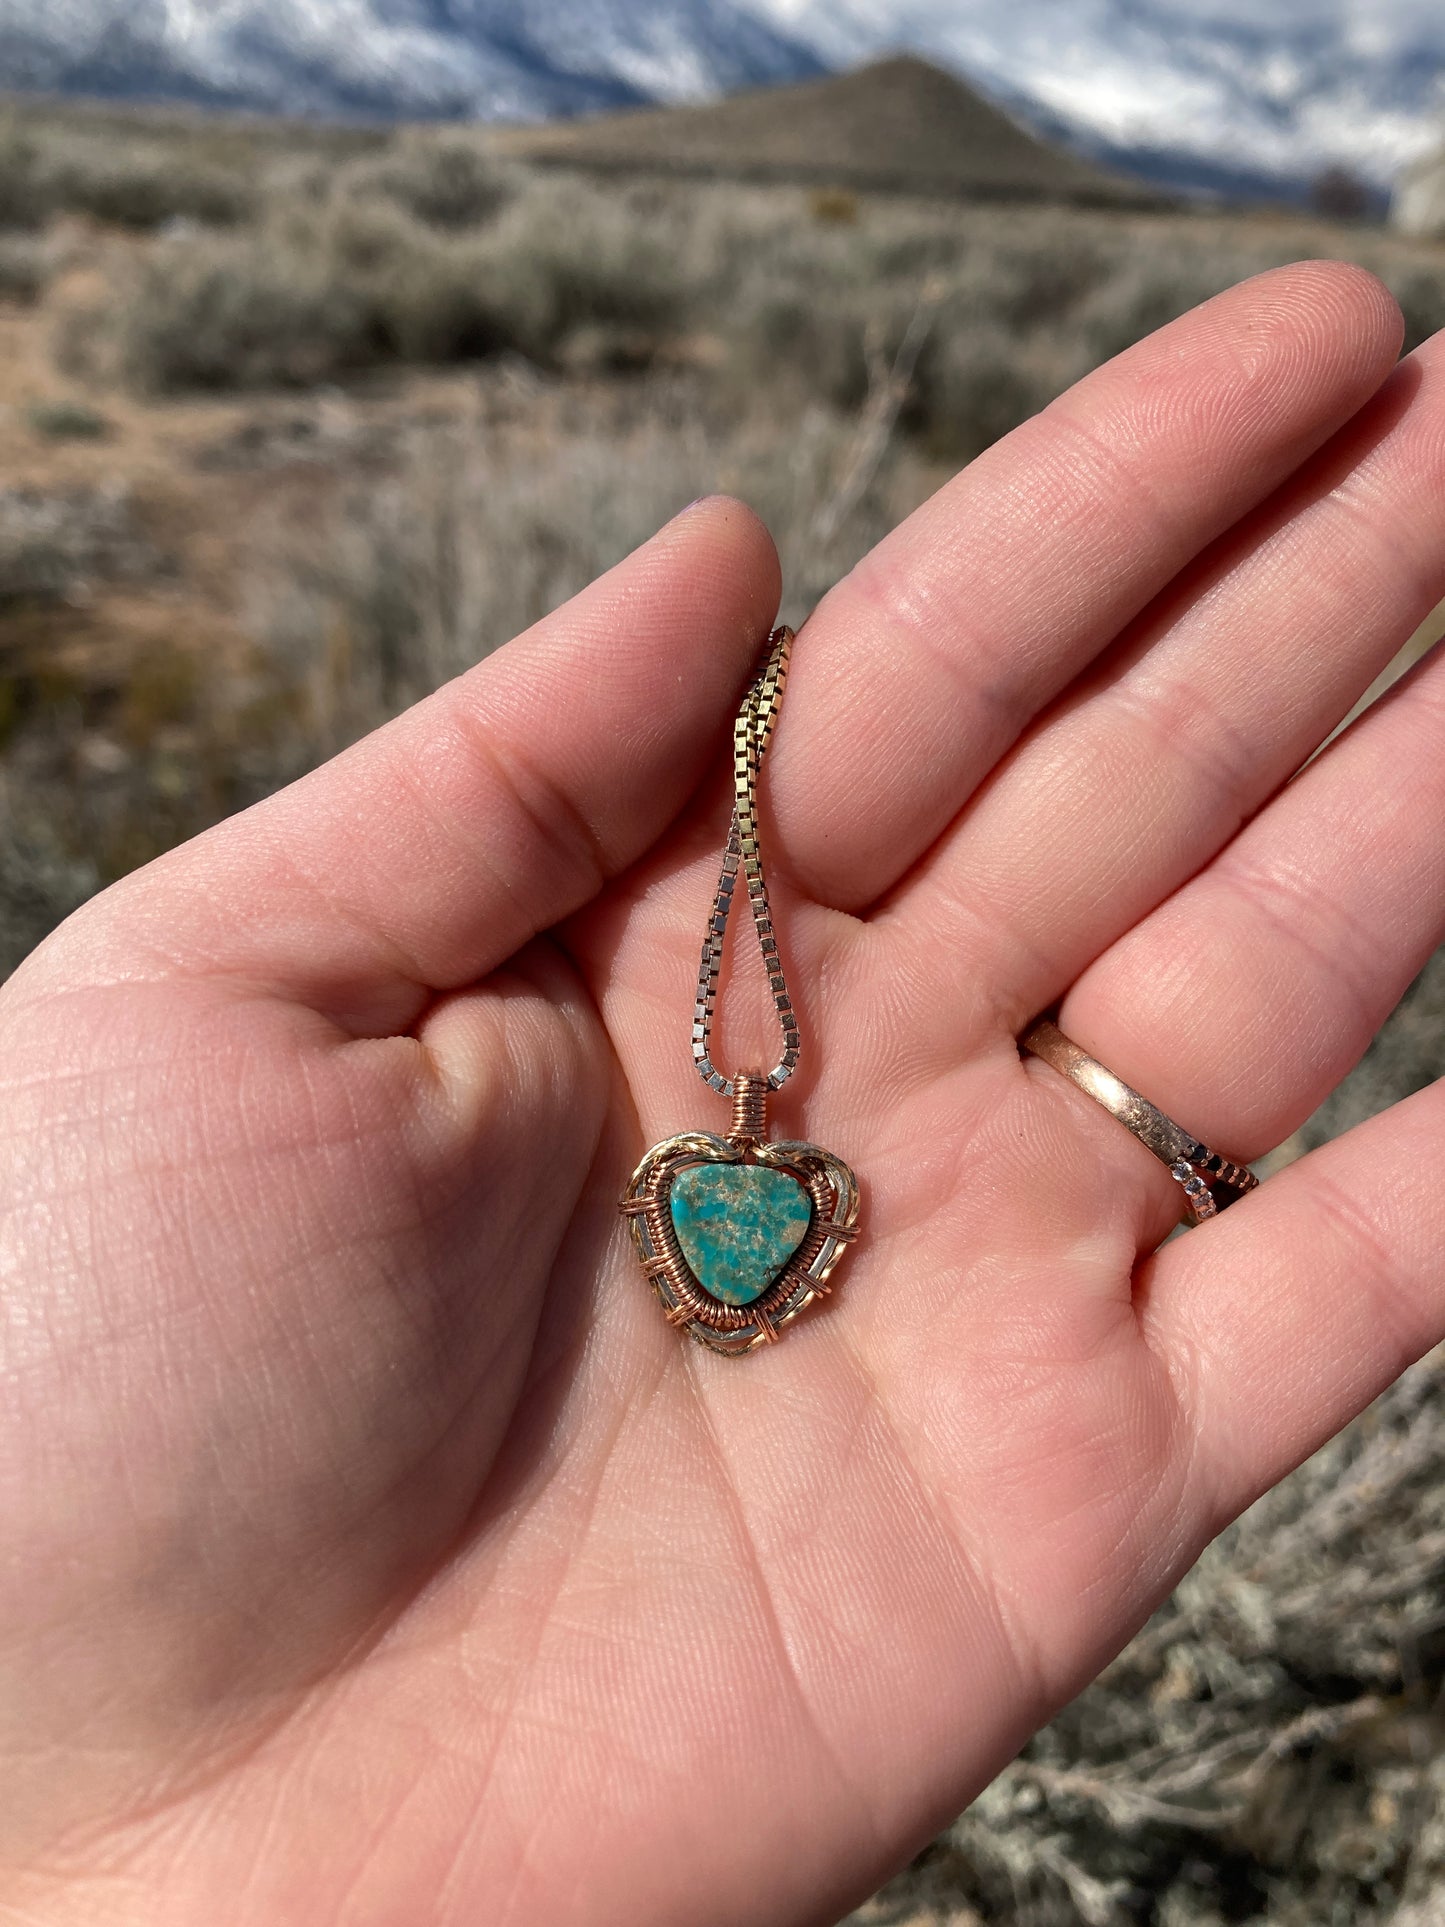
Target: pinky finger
{"points": [[1292, 1312]]}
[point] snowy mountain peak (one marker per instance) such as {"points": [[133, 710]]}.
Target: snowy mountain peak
{"points": [[1183, 89], [397, 57]]}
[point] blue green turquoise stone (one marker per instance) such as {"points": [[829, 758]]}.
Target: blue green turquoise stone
{"points": [[738, 1225]]}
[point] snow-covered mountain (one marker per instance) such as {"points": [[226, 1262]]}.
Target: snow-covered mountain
{"points": [[1189, 91], [493, 58]]}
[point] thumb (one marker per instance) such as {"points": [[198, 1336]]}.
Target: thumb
{"points": [[422, 858]]}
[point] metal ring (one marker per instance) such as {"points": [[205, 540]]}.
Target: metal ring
{"points": [[1210, 1183]]}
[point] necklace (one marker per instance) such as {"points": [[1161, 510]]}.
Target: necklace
{"points": [[737, 1234]]}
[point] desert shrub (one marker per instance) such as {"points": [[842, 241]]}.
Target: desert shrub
{"points": [[973, 385], [785, 334], [906, 253], [314, 292], [141, 187], [737, 239], [1420, 291], [24, 267], [112, 752], [230, 315], [411, 576], [136, 184], [66, 421], [1039, 281], [604, 348], [1142, 294], [21, 203], [428, 298], [405, 575], [835, 206], [1003, 309], [444, 307], [447, 181], [597, 261], [54, 542], [309, 296], [42, 878], [969, 379]]}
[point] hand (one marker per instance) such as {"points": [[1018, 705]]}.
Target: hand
{"points": [[374, 1552]]}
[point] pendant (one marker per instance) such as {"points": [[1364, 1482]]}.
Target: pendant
{"points": [[738, 1235]]}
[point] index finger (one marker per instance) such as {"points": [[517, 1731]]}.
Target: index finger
{"points": [[928, 661]]}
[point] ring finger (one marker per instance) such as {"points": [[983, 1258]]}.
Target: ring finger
{"points": [[1239, 1004]]}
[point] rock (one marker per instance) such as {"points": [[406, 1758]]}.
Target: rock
{"points": [[738, 1225]]}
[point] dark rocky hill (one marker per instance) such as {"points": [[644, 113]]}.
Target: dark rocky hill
{"points": [[900, 125]]}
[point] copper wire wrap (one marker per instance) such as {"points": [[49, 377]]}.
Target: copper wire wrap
{"points": [[832, 1191], [750, 1108], [1210, 1183]]}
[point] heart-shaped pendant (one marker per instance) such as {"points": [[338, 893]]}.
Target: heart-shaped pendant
{"points": [[738, 1235]]}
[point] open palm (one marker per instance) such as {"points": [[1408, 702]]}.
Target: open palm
{"points": [[374, 1552]]}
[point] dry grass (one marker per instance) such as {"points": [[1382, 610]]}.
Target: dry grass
{"points": [[1267, 1750], [359, 598]]}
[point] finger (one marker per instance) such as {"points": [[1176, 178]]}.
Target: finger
{"points": [[929, 660], [436, 848], [1286, 1317], [1241, 1003], [1216, 699]]}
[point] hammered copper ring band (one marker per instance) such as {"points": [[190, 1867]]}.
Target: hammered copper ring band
{"points": [[1209, 1182]]}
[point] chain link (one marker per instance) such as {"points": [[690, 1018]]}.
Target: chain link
{"points": [[752, 733]]}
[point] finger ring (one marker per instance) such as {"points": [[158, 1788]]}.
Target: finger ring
{"points": [[1209, 1181]]}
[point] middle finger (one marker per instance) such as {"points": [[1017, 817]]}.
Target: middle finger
{"points": [[922, 668]]}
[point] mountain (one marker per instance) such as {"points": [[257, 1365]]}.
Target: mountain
{"points": [[397, 58], [1245, 95], [900, 124], [1189, 92]]}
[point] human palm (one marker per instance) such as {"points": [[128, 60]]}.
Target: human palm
{"points": [[375, 1552]]}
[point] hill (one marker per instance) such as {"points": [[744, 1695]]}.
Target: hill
{"points": [[1246, 99], [900, 125]]}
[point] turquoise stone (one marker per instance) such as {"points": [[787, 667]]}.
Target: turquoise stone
{"points": [[738, 1225]]}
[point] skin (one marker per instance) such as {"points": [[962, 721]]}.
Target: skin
{"points": [[373, 1552]]}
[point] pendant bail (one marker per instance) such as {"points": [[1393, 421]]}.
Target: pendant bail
{"points": [[750, 1108]]}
